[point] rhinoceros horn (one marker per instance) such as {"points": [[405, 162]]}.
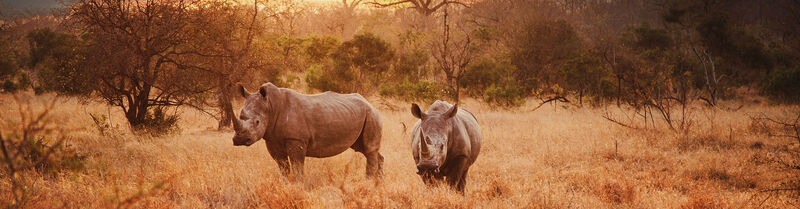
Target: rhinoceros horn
{"points": [[237, 124], [424, 146]]}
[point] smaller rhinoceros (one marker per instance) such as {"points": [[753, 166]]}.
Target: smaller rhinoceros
{"points": [[445, 142]]}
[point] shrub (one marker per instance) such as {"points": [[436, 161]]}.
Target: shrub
{"points": [[366, 52], [34, 150], [508, 96], [33, 145], [783, 86], [320, 48], [59, 61], [101, 122], [9, 86], [9, 68], [539, 47], [411, 65], [8, 60], [583, 75], [485, 73], [22, 82], [317, 78], [356, 64], [413, 91], [158, 123]]}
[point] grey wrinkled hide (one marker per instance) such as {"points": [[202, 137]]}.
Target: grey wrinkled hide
{"points": [[453, 144], [295, 125]]}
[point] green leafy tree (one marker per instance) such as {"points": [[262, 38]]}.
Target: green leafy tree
{"points": [[367, 53], [485, 73], [783, 85], [9, 66], [584, 75], [539, 48], [59, 61], [356, 64], [320, 48]]}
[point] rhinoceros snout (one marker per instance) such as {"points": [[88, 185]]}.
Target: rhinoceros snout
{"points": [[242, 141], [427, 167]]}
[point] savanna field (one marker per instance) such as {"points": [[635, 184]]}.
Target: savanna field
{"points": [[689, 104], [558, 156]]}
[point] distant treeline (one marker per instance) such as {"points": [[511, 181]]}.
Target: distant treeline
{"points": [[144, 57]]}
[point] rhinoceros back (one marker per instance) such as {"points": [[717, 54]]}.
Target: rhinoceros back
{"points": [[331, 122]]}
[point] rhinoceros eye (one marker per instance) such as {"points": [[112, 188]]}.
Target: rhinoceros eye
{"points": [[242, 117]]}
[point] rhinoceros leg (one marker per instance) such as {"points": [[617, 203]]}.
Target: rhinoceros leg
{"points": [[278, 153], [296, 150], [374, 164], [369, 143], [455, 174], [462, 183]]}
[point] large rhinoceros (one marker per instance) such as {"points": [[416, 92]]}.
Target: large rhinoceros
{"points": [[445, 142], [295, 125]]}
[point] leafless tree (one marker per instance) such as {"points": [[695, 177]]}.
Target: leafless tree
{"points": [[351, 4], [786, 157], [286, 15], [453, 52], [425, 7]]}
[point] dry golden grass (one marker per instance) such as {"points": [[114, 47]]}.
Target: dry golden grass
{"points": [[550, 158]]}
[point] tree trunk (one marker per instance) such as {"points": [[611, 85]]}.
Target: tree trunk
{"points": [[224, 102], [137, 109], [619, 89]]}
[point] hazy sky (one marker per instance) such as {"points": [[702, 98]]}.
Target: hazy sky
{"points": [[29, 4], [47, 4]]}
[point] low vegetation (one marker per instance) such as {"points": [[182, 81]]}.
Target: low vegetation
{"points": [[611, 104], [549, 158]]}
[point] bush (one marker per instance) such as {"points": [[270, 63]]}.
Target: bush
{"points": [[419, 91], [52, 156], [158, 123], [22, 82], [411, 65], [317, 78], [356, 65], [9, 86], [485, 73], [583, 75], [783, 86], [33, 145], [320, 48], [505, 96], [366, 52], [59, 61], [538, 48], [9, 65]]}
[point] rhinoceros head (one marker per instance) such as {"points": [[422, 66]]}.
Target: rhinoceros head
{"points": [[252, 122], [435, 130]]}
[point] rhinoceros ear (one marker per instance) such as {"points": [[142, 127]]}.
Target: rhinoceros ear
{"points": [[241, 90], [452, 112], [263, 91], [416, 111]]}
